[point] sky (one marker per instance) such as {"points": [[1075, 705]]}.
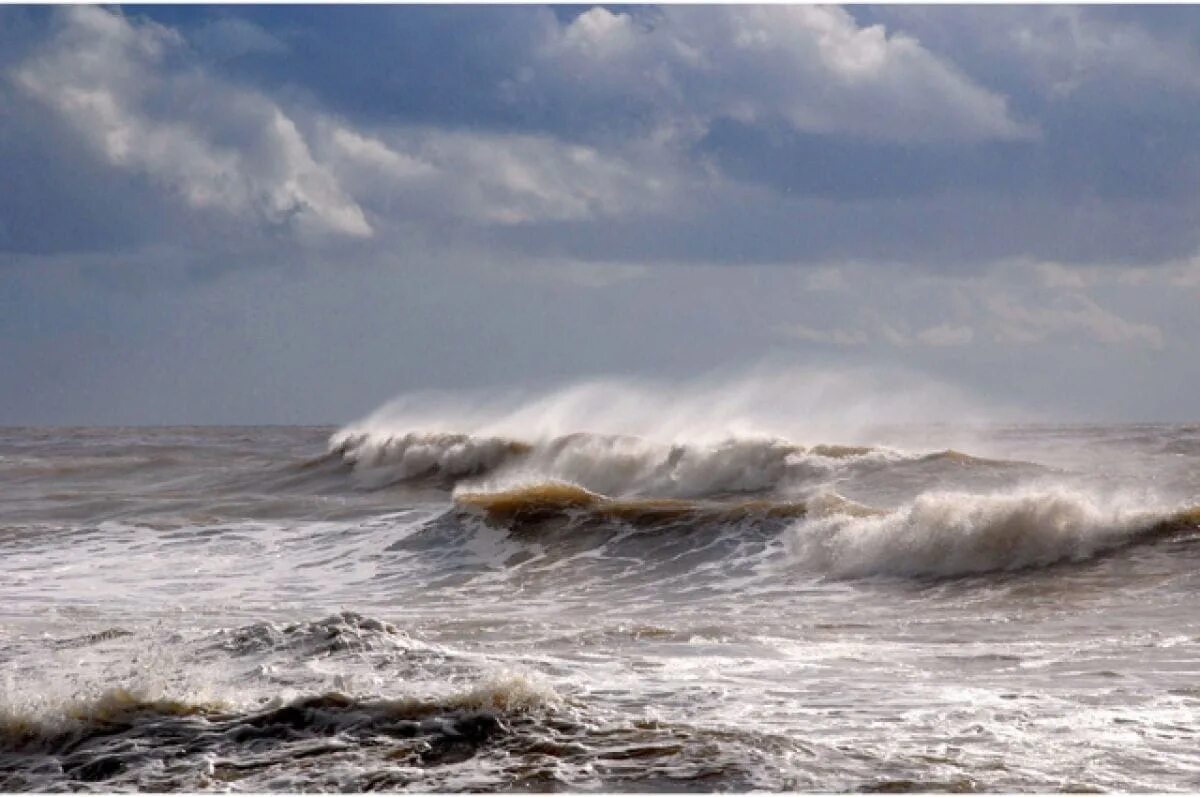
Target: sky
{"points": [[274, 214]]}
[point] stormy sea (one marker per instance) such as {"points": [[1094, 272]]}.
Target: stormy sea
{"points": [[540, 596]]}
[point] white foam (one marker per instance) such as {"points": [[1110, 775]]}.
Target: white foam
{"points": [[507, 690], [379, 458], [609, 465], [950, 534], [740, 431], [623, 466]]}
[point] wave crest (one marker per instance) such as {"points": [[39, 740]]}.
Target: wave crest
{"points": [[947, 534], [380, 460], [614, 465], [119, 710]]}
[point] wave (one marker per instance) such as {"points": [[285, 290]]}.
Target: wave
{"points": [[508, 733], [536, 503], [408, 457], [611, 464], [118, 708], [955, 457], [948, 534], [552, 500], [617, 465], [937, 535]]}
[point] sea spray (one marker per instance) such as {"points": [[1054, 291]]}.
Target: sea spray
{"points": [[772, 399]]}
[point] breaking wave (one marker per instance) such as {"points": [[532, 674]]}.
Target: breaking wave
{"points": [[617, 465], [939, 534], [119, 708], [126, 738], [508, 730], [949, 534]]}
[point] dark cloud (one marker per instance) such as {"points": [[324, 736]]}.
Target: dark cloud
{"points": [[1112, 135]]}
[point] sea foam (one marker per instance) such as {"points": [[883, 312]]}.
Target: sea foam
{"points": [[942, 534]]}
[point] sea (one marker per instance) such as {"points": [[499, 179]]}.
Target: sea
{"points": [[446, 598]]}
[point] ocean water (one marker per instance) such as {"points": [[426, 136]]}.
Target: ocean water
{"points": [[523, 601]]}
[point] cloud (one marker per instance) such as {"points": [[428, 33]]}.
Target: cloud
{"points": [[234, 37], [1182, 272], [134, 92], [1069, 314], [497, 178], [737, 134], [946, 335], [1060, 52], [666, 190], [218, 148], [939, 336], [810, 68], [1010, 305], [1070, 49], [836, 337]]}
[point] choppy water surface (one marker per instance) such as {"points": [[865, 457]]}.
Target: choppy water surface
{"points": [[445, 607]]}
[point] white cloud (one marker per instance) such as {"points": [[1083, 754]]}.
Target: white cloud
{"points": [[1056, 275], [1070, 47], [824, 279], [1068, 314], [893, 336], [218, 147], [836, 337], [946, 335], [496, 178], [1060, 52], [886, 332], [810, 67], [1014, 303], [130, 91], [1183, 272]]}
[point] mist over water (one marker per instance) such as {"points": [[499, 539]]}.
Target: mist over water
{"points": [[773, 398], [775, 579]]}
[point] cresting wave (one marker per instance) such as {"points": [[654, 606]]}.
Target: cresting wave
{"points": [[507, 732], [332, 742], [124, 738], [576, 480], [948, 534], [747, 430], [613, 465], [122, 708], [941, 534]]}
